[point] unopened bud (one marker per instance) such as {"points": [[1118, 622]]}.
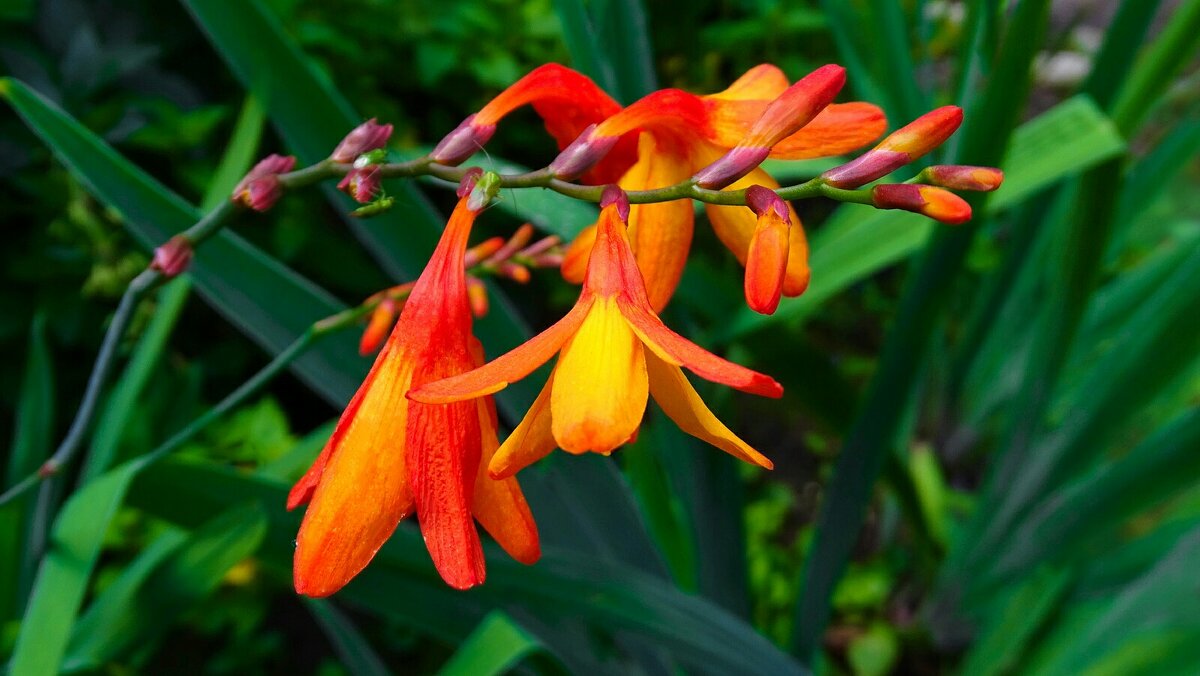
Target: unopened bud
{"points": [[542, 245], [787, 114], [366, 137], [900, 148], [959, 177], [767, 257], [477, 296], [575, 258], [382, 318], [259, 189], [466, 139], [362, 184], [582, 154], [515, 243], [613, 195], [936, 203], [514, 271], [547, 260], [173, 257], [482, 251]]}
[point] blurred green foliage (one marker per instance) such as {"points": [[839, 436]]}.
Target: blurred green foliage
{"points": [[1027, 386]]}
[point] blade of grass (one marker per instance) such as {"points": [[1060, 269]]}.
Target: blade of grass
{"points": [[496, 646], [895, 68], [1115, 59], [583, 44], [872, 437], [625, 40], [1149, 79], [357, 655]]}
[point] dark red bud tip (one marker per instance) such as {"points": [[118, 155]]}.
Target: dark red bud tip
{"points": [[733, 165], [761, 199], [614, 195], [582, 154], [173, 258], [469, 179], [466, 139], [48, 469], [368, 136]]}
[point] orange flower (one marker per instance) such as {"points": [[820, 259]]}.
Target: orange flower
{"points": [[614, 353], [389, 456], [759, 115]]}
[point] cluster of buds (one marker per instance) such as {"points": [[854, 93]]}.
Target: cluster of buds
{"points": [[365, 148], [260, 189]]}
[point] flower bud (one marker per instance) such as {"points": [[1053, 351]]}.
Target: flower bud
{"points": [[259, 189], [173, 257], [364, 138], [463, 142], [900, 148], [477, 296], [936, 203], [582, 154], [959, 177], [539, 247], [613, 195], [363, 184], [787, 114], [382, 318], [767, 257], [514, 271], [482, 251]]}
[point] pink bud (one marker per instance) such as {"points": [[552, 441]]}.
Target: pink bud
{"points": [[482, 251], [959, 177], [364, 138], [477, 296], [466, 139], [259, 189], [900, 148], [363, 184], [173, 257], [936, 203]]}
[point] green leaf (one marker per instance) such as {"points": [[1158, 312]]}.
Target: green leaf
{"points": [[33, 442], [583, 44], [1017, 621], [495, 647], [122, 404], [562, 587], [239, 155], [356, 654], [1148, 81], [1113, 62], [267, 301], [625, 42], [141, 605], [894, 68]]}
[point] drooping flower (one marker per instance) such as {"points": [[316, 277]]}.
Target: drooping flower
{"points": [[614, 353], [390, 456]]}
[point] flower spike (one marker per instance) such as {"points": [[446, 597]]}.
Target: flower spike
{"points": [[936, 203]]}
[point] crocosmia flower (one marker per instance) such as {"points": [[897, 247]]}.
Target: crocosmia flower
{"points": [[390, 457], [613, 353]]}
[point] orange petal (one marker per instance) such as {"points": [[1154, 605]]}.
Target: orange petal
{"points": [[500, 505], [660, 234], [600, 388], [766, 262], [443, 445], [735, 228], [575, 260], [530, 442], [839, 129], [567, 99], [679, 351], [515, 365], [764, 82], [363, 487], [668, 111], [675, 395]]}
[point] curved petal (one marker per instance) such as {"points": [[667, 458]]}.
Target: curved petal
{"points": [[575, 259], [675, 395], [764, 82], [660, 234], [531, 441], [566, 99], [735, 228], [515, 365], [663, 111], [500, 505], [363, 491], [600, 390], [679, 351], [839, 129]]}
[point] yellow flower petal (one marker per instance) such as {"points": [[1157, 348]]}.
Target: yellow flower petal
{"points": [[530, 442], [600, 388], [675, 395]]}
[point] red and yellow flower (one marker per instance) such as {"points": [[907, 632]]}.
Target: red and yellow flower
{"points": [[613, 354], [390, 457]]}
